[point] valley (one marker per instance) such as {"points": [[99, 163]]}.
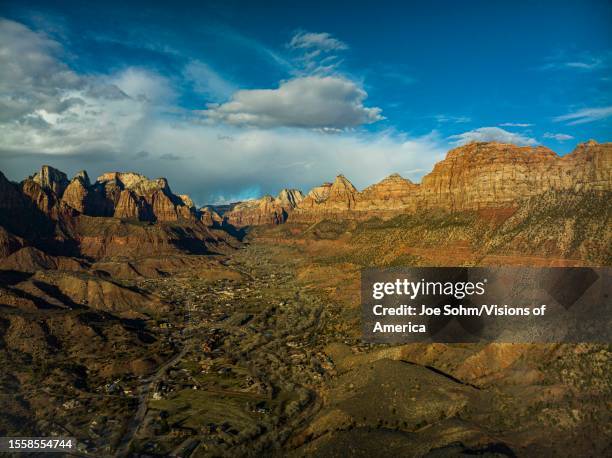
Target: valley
{"points": [[144, 326]]}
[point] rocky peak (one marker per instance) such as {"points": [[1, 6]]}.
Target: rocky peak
{"points": [[342, 184], [210, 217], [51, 179], [319, 193], [138, 183], [265, 210], [341, 193], [395, 178], [187, 201], [76, 193], [153, 197], [83, 177], [393, 191], [290, 197]]}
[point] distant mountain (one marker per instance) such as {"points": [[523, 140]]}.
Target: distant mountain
{"points": [[266, 210], [125, 212], [476, 176], [119, 214]]}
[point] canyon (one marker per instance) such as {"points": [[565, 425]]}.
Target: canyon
{"points": [[145, 325]]}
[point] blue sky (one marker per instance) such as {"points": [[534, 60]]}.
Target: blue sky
{"points": [[233, 99]]}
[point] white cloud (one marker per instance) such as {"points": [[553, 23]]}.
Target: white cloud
{"points": [[454, 119], [315, 53], [558, 137], [590, 65], [516, 124], [274, 159], [146, 85], [491, 134], [47, 107], [585, 115], [577, 61], [306, 102], [321, 41], [124, 121], [31, 78]]}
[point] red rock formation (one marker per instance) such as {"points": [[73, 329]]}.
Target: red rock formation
{"points": [[77, 192], [154, 199], [494, 175], [266, 210], [163, 207], [19, 214], [42, 198], [51, 179], [127, 207], [393, 193], [335, 198], [472, 177], [209, 217]]}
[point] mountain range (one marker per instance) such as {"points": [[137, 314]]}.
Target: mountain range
{"points": [[125, 212], [100, 282]]}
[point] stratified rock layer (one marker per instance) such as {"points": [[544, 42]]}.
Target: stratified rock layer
{"points": [[99, 219], [472, 177], [267, 210]]}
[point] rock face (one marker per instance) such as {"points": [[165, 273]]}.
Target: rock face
{"points": [[117, 194], [20, 215], [471, 177], [146, 199], [100, 219], [42, 198], [394, 192], [328, 199], [51, 179], [9, 243], [77, 192], [267, 210], [127, 206], [210, 217]]}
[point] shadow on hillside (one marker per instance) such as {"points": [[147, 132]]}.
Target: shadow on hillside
{"points": [[236, 232]]}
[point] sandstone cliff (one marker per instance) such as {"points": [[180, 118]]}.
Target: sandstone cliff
{"points": [[267, 210], [210, 217], [476, 176], [147, 200], [51, 179], [119, 194], [77, 218], [77, 192]]}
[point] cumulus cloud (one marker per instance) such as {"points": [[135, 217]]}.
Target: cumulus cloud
{"points": [[585, 115], [127, 121], [558, 137], [31, 78], [306, 102], [492, 134], [46, 107]]}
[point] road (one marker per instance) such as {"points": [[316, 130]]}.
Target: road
{"points": [[143, 398]]}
